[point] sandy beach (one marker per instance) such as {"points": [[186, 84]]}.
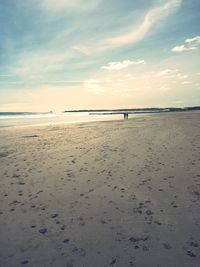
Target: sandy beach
{"points": [[115, 193]]}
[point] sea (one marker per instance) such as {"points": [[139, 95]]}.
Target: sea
{"points": [[14, 119]]}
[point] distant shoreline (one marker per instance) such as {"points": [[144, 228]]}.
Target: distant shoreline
{"points": [[113, 111], [137, 110]]}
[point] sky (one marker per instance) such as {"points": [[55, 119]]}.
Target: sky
{"points": [[90, 54]]}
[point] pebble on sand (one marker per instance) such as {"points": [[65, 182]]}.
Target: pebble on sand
{"points": [[43, 230]]}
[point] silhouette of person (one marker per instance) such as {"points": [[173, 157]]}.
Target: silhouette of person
{"points": [[126, 116]]}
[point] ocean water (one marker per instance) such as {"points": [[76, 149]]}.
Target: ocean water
{"points": [[10, 119]]}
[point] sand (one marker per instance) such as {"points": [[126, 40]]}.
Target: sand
{"points": [[117, 193]]}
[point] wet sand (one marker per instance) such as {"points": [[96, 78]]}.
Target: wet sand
{"points": [[117, 193]]}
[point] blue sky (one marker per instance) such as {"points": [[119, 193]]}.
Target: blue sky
{"points": [[63, 54]]}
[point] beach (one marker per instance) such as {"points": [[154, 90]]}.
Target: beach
{"points": [[96, 194]]}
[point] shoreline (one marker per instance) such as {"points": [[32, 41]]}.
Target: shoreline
{"points": [[61, 119], [62, 123], [120, 118]]}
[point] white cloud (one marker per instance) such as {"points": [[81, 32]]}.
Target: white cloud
{"points": [[181, 76], [11, 82], [128, 75], [168, 72], [183, 48], [189, 44], [82, 49], [122, 64], [6, 75], [136, 34], [94, 86], [165, 88], [38, 63], [175, 73], [139, 33], [91, 81], [193, 40], [186, 82], [64, 81]]}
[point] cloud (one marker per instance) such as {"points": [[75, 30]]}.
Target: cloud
{"points": [[186, 82], [136, 34], [168, 72], [94, 86], [189, 44], [82, 49], [172, 73], [64, 81], [181, 76], [183, 48], [194, 40], [6, 75], [40, 62], [150, 19], [128, 75], [165, 88], [122, 64]]}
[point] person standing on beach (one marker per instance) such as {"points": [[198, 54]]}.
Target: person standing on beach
{"points": [[125, 115]]}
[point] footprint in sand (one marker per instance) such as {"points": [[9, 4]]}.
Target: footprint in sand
{"points": [[25, 262]]}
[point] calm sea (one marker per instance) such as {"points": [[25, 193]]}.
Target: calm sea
{"points": [[9, 119]]}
